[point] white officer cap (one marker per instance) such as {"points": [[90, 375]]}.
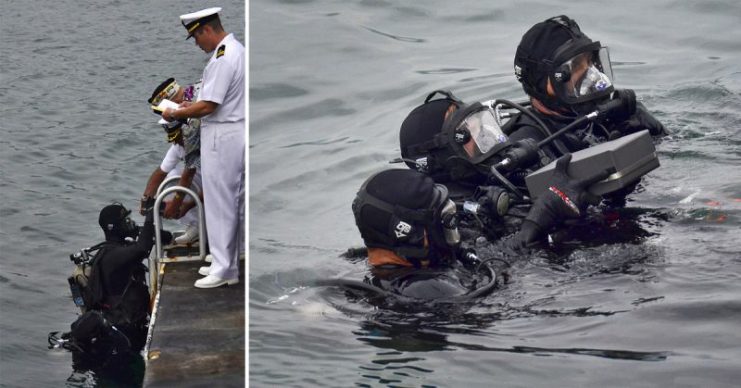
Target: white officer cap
{"points": [[191, 21]]}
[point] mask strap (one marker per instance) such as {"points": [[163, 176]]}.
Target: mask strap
{"points": [[446, 93], [399, 211], [437, 141]]}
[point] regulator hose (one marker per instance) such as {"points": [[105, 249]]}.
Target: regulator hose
{"points": [[360, 285]]}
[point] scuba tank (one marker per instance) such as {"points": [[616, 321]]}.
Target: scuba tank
{"points": [[79, 282]]}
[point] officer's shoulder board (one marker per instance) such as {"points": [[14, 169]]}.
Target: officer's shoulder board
{"points": [[220, 51]]}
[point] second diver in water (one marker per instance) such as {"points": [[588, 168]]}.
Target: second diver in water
{"points": [[409, 225]]}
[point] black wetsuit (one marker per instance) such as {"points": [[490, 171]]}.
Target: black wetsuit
{"points": [[118, 283], [523, 127]]}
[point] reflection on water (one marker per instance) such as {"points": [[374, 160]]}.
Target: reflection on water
{"points": [[421, 338]]}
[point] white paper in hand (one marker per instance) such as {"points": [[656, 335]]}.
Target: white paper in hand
{"points": [[164, 104]]}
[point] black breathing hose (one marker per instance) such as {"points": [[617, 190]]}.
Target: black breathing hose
{"points": [[360, 285], [558, 133], [541, 125], [507, 183]]}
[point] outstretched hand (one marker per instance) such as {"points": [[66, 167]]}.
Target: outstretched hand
{"points": [[146, 205], [147, 209]]}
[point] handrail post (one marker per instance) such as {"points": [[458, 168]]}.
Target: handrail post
{"points": [[165, 182], [154, 262]]}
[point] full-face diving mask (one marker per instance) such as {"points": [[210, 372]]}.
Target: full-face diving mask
{"points": [[129, 228], [115, 221], [475, 132], [581, 72]]}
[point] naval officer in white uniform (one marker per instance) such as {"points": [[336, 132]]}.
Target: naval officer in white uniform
{"points": [[220, 106]]}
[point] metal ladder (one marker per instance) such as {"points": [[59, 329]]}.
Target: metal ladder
{"points": [[157, 258]]}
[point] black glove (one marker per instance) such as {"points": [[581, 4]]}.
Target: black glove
{"points": [[639, 121], [143, 204], [566, 197], [147, 206]]}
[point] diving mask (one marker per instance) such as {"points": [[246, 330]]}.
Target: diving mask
{"points": [[476, 131], [583, 77]]}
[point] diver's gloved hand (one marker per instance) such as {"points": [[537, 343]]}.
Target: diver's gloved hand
{"points": [[147, 207], [529, 232], [639, 121], [567, 197], [142, 204]]}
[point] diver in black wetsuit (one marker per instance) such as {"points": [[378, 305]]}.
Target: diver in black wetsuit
{"points": [[456, 144], [566, 75], [433, 141], [410, 227], [113, 293], [118, 284]]}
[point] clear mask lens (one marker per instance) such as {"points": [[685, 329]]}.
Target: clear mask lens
{"points": [[484, 130], [605, 65], [589, 74], [593, 82]]}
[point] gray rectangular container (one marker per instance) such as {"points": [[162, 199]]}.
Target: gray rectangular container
{"points": [[632, 156]]}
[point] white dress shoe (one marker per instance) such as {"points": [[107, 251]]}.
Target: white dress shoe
{"points": [[190, 235], [209, 258], [212, 281], [204, 271]]}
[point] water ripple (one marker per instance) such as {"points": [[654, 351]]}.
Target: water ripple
{"points": [[396, 37], [274, 90], [446, 70]]}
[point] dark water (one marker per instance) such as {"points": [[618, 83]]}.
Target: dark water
{"points": [[75, 134], [330, 83]]}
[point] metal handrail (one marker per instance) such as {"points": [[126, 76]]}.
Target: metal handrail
{"points": [[165, 182], [154, 261], [169, 179]]}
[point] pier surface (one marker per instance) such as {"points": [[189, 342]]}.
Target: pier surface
{"points": [[198, 338]]}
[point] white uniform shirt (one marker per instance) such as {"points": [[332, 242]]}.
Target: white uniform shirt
{"points": [[223, 82], [175, 155]]}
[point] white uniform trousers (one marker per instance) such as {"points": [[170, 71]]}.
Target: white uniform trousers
{"points": [[191, 217], [222, 167]]}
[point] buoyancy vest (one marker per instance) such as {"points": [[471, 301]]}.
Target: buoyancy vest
{"points": [[130, 307]]}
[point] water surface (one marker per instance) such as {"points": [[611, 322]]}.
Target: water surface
{"points": [[331, 82], [76, 135]]}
